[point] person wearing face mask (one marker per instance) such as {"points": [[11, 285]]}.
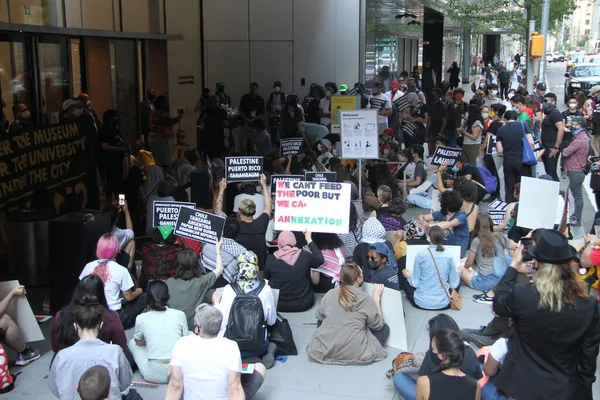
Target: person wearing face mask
{"points": [[540, 91], [275, 108], [22, 122], [552, 134], [113, 152], [572, 111], [456, 109], [479, 86], [325, 104], [491, 93], [524, 113], [380, 102], [381, 268], [72, 109], [575, 157]]}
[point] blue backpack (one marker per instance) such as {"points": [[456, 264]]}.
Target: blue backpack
{"points": [[489, 181]]}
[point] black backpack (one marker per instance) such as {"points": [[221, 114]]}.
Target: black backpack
{"points": [[246, 325]]}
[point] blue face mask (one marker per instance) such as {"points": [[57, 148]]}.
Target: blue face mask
{"points": [[455, 169], [515, 109]]}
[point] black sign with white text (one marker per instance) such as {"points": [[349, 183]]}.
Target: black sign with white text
{"points": [[243, 169], [320, 176], [445, 155], [199, 225], [167, 212], [491, 145], [277, 178], [497, 216], [290, 147]]}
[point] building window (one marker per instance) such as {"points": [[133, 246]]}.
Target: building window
{"points": [[36, 12], [587, 21], [586, 32]]}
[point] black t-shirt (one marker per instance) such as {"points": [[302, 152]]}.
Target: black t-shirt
{"points": [[112, 137], [549, 130], [510, 135], [455, 113], [567, 113], [386, 276], [470, 365], [494, 126], [252, 105], [436, 113], [252, 237]]}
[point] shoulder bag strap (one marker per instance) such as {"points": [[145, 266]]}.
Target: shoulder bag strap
{"points": [[439, 276]]}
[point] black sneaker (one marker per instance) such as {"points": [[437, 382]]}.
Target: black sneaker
{"points": [[483, 298]]}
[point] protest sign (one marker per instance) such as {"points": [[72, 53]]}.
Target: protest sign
{"points": [[199, 225], [20, 312], [55, 158], [243, 169], [537, 148], [290, 147], [491, 146], [339, 103], [320, 176], [413, 249], [313, 206], [498, 205], [167, 212], [497, 216], [360, 139], [445, 155], [537, 203], [277, 178], [393, 314]]}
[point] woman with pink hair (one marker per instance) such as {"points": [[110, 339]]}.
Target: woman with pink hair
{"points": [[115, 277]]}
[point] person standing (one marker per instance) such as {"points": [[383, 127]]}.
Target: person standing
{"points": [[146, 107], [504, 82], [491, 93], [472, 133], [595, 103], [214, 122], [552, 134], [113, 153], [394, 118], [223, 97], [325, 104], [572, 111], [161, 140], [252, 106], [436, 117], [456, 109], [22, 122], [454, 72], [382, 104], [575, 156]]}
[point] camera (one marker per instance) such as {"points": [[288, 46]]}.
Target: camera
{"points": [[594, 159]]}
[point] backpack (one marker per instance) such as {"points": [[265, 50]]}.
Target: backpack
{"points": [[246, 325], [489, 181]]}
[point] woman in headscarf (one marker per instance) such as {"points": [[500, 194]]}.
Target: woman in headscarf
{"points": [[289, 270], [248, 280], [372, 232]]}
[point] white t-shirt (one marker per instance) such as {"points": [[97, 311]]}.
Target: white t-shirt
{"points": [[499, 350], [265, 296], [395, 97], [116, 279], [205, 364], [380, 102], [258, 199], [325, 105]]}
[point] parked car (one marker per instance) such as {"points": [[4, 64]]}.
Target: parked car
{"points": [[581, 78], [557, 57]]}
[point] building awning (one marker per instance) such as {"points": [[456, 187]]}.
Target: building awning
{"points": [[53, 30]]}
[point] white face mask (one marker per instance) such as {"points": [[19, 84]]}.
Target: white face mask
{"points": [[386, 152], [494, 92], [77, 112], [328, 93], [572, 106], [485, 115], [277, 89], [482, 85], [510, 95]]}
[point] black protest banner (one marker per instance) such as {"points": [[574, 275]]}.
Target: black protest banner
{"points": [[167, 212], [491, 145], [537, 147], [320, 176], [290, 147], [498, 205], [497, 216], [283, 178], [243, 169], [199, 225], [445, 155], [54, 158]]}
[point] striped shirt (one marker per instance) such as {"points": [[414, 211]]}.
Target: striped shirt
{"points": [[576, 153]]}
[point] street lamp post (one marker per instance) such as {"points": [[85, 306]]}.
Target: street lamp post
{"points": [[544, 32]]}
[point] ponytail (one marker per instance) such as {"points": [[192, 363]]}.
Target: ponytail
{"points": [[439, 248], [348, 275], [436, 234]]}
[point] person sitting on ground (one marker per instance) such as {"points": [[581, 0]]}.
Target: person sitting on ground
{"points": [[486, 263], [191, 282], [165, 192], [116, 280], [94, 384], [509, 221], [71, 363], [248, 280], [206, 366], [230, 250], [159, 258], [10, 333], [449, 382], [289, 270], [249, 192], [62, 334], [450, 218], [407, 386], [125, 236], [393, 220], [422, 286], [327, 275], [155, 175], [252, 230], [372, 232], [350, 328], [384, 196], [354, 235], [379, 265], [156, 332]]}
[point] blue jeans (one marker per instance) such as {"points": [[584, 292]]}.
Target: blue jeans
{"points": [[452, 136], [406, 386], [490, 391], [420, 200]]}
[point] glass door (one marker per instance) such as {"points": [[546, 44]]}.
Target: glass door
{"points": [[53, 64], [16, 73]]}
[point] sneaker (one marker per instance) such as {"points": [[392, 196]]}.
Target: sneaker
{"points": [[574, 222], [483, 298], [27, 356]]}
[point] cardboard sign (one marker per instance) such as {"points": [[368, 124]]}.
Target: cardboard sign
{"points": [[290, 147], [445, 155], [414, 249], [497, 216], [320, 176], [167, 212], [199, 225], [392, 312], [20, 312], [313, 206], [360, 138], [537, 203], [491, 146], [277, 178], [243, 169]]}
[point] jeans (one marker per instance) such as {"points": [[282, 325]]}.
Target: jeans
{"points": [[513, 170], [452, 136], [504, 90], [420, 200], [550, 163], [576, 187], [406, 386], [490, 391]]}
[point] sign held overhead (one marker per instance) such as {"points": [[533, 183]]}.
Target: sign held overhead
{"points": [[243, 169], [199, 225]]}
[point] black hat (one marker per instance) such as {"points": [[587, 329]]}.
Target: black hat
{"points": [[377, 84], [552, 247], [541, 86], [276, 84]]}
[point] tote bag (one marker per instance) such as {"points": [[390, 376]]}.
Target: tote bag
{"points": [[528, 156]]}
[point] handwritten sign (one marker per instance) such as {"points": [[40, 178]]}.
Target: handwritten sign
{"points": [[314, 206], [243, 169], [199, 225], [167, 212], [445, 155], [277, 178], [320, 176], [290, 147]]}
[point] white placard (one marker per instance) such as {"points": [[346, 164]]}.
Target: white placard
{"points": [[392, 312], [313, 206], [537, 203], [413, 249], [359, 134], [20, 311]]}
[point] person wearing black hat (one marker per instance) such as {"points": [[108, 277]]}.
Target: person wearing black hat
{"points": [[555, 344], [575, 163], [539, 92]]}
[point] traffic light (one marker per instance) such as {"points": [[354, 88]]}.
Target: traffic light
{"points": [[536, 45]]}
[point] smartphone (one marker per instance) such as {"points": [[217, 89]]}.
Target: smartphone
{"points": [[121, 200], [526, 242]]}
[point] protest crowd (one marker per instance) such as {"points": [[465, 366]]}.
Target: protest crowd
{"points": [[208, 245]]}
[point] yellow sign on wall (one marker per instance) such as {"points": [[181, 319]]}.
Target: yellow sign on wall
{"points": [[340, 103]]}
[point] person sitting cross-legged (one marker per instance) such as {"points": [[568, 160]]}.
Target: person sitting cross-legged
{"points": [[94, 384], [380, 266], [10, 332]]}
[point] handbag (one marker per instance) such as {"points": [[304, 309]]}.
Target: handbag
{"points": [[453, 297], [528, 156], [281, 334], [404, 361]]}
